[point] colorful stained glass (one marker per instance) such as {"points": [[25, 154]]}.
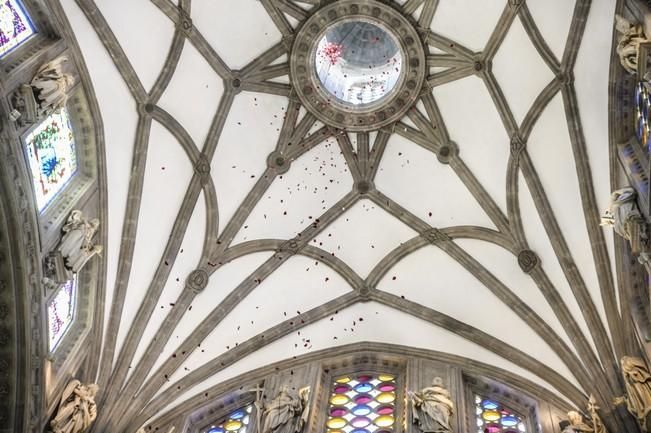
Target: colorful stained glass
{"points": [[236, 422], [15, 26], [642, 111], [493, 417], [362, 403], [52, 156], [60, 312]]}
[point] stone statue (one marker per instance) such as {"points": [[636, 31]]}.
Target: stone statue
{"points": [[77, 242], [51, 85], [575, 424], [287, 413], [597, 424], [77, 410], [631, 35], [627, 221], [432, 408], [75, 248], [638, 390]]}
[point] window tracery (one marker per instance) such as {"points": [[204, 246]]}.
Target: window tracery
{"points": [[52, 156], [15, 26], [362, 403]]}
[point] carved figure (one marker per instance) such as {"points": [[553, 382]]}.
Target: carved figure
{"points": [[597, 424], [77, 409], [287, 413], [627, 221], [638, 390], [575, 423], [76, 245], [432, 408], [631, 35], [51, 85]]}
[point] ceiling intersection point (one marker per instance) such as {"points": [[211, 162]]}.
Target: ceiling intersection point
{"points": [[517, 145], [202, 168], [185, 22], [197, 280], [447, 152], [234, 82], [435, 236], [528, 261]]}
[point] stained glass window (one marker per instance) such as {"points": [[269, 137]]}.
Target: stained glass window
{"points": [[493, 417], [643, 110], [362, 403], [60, 312], [52, 156], [15, 26], [236, 422]]}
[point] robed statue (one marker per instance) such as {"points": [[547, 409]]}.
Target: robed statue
{"points": [[77, 409], [638, 390], [51, 85], [575, 424], [432, 408], [77, 241], [286, 413], [630, 37], [626, 219]]}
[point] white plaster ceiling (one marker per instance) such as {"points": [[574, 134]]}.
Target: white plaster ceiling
{"points": [[240, 30]]}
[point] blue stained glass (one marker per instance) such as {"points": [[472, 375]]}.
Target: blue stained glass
{"points": [[490, 405], [493, 417], [361, 410], [60, 312], [359, 405], [52, 156], [15, 26], [238, 414], [236, 422], [364, 387]]}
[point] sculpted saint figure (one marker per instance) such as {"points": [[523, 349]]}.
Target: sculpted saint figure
{"points": [[627, 221], [432, 408], [631, 35], [76, 410], [286, 413], [575, 424], [76, 244], [51, 85], [638, 390]]}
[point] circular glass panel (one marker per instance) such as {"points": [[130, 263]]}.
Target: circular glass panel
{"points": [[358, 62]]}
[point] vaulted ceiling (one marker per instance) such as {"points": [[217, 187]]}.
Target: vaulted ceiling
{"points": [[493, 253]]}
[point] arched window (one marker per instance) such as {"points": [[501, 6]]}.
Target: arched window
{"points": [[493, 417], [236, 422], [15, 26], [60, 312], [362, 403], [52, 156]]}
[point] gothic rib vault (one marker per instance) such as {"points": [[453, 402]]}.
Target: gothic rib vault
{"points": [[243, 231]]}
